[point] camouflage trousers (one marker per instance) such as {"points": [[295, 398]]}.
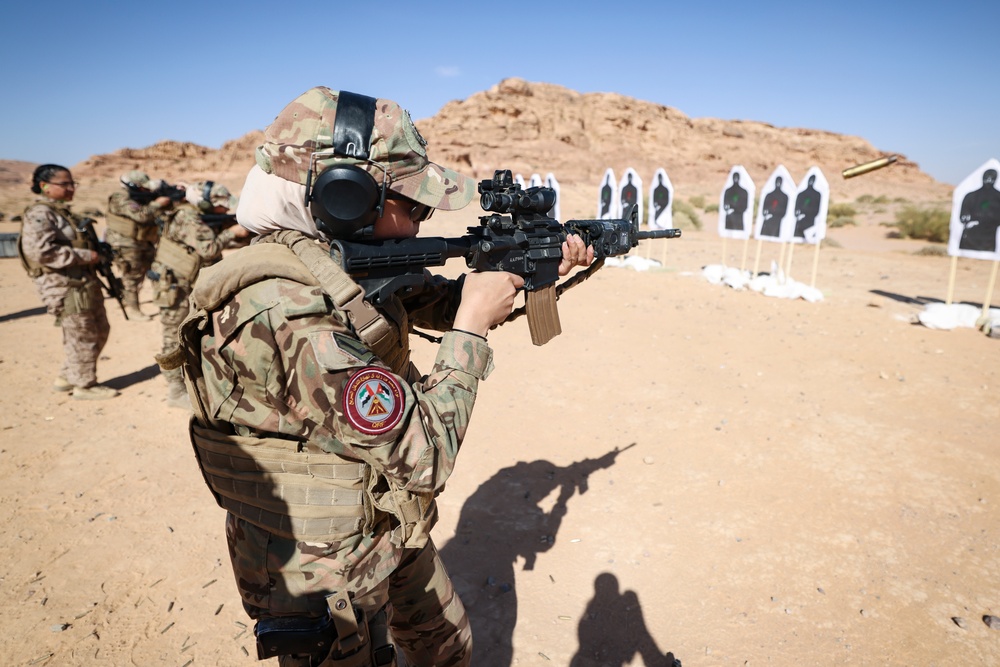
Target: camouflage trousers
{"points": [[427, 620], [84, 336], [170, 319], [133, 261]]}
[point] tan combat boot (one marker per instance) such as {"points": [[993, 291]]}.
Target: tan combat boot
{"points": [[95, 392], [131, 300], [62, 384]]}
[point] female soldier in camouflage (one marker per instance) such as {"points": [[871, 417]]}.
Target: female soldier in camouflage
{"points": [[187, 245], [312, 428], [60, 259]]}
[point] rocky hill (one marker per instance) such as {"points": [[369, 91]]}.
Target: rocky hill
{"points": [[539, 127]]}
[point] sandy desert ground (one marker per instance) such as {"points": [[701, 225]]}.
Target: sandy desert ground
{"points": [[800, 483]]}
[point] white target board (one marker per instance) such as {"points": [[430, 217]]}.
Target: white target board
{"points": [[812, 202], [975, 215], [776, 212], [736, 204], [630, 193], [607, 196], [661, 201]]}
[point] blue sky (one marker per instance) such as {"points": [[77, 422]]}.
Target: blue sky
{"points": [[921, 79]]}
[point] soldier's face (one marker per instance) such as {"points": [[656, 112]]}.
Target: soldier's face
{"points": [[396, 221], [61, 187]]}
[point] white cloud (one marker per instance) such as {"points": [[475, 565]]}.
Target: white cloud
{"points": [[447, 71]]}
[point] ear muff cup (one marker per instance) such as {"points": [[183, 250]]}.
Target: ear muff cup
{"points": [[206, 197], [344, 200]]}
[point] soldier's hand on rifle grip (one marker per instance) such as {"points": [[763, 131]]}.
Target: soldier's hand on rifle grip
{"points": [[162, 201], [575, 253], [487, 299]]}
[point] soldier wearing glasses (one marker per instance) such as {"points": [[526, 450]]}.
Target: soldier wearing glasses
{"points": [[60, 259], [312, 427]]}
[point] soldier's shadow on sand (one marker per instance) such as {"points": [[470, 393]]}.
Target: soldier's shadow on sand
{"points": [[133, 378], [29, 312], [613, 631], [501, 523]]}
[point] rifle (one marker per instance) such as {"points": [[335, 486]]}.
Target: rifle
{"points": [[143, 196], [113, 285], [517, 236]]}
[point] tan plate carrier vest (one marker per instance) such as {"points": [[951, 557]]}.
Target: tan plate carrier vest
{"points": [[309, 495], [132, 229]]}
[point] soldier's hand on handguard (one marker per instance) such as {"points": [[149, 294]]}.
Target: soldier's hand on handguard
{"points": [[240, 232], [162, 201], [575, 253], [487, 299]]}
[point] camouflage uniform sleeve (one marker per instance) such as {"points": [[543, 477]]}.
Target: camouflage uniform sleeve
{"points": [[416, 431], [435, 306], [225, 236], [188, 229], [120, 204], [292, 366], [42, 242]]}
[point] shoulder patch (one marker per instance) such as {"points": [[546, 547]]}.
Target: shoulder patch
{"points": [[373, 400]]}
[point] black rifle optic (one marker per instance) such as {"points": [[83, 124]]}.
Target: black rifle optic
{"points": [[112, 284], [516, 236]]}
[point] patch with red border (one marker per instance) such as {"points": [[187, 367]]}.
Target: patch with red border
{"points": [[373, 401]]}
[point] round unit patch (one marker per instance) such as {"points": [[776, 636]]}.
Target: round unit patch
{"points": [[373, 401]]}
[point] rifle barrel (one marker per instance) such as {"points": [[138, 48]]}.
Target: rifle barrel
{"points": [[659, 234]]}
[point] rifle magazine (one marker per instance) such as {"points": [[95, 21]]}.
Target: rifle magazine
{"points": [[543, 314]]}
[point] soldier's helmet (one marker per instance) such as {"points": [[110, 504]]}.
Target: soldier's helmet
{"points": [[306, 126], [208, 194], [135, 179]]}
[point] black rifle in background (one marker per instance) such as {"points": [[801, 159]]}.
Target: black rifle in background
{"points": [[174, 193], [112, 284]]}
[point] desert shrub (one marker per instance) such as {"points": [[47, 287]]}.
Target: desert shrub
{"points": [[712, 208], [683, 211], [838, 210], [830, 243], [933, 251], [900, 200], [698, 201], [928, 224], [872, 199], [840, 222]]}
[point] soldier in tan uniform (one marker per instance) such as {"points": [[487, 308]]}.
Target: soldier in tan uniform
{"points": [[187, 245], [60, 260], [133, 233], [312, 427]]}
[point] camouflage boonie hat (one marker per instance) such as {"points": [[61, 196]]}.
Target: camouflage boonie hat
{"points": [[306, 125], [136, 178]]}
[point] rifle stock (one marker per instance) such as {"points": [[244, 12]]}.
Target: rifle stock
{"points": [[516, 236]]}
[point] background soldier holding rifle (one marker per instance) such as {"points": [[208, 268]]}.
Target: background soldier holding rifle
{"points": [[187, 245], [133, 231], [61, 257]]}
